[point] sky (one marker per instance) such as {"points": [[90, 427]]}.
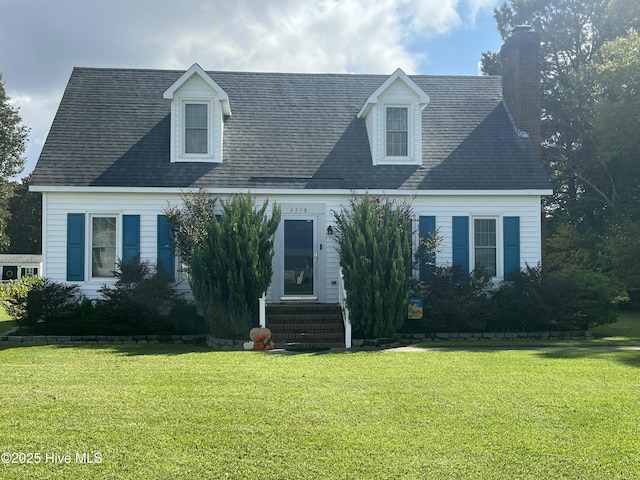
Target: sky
{"points": [[42, 40]]}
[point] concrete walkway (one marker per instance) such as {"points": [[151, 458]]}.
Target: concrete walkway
{"points": [[490, 349]]}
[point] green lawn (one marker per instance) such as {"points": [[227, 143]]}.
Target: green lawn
{"points": [[626, 328], [179, 411], [6, 322]]}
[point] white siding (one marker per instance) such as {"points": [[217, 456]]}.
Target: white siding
{"points": [[56, 205]]}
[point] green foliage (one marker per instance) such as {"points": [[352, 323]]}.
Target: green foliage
{"points": [[142, 301], [13, 137], [42, 306], [590, 82], [454, 302], [621, 254], [535, 300], [191, 222], [230, 260], [573, 34], [24, 227], [618, 87], [13, 296], [6, 194], [374, 242], [571, 299], [568, 246]]}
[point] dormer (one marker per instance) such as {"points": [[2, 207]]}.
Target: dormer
{"points": [[198, 108], [393, 116]]}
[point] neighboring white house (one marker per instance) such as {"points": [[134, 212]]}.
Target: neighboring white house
{"points": [[14, 266], [126, 143]]}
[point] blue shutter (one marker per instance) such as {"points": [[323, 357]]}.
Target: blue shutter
{"points": [[511, 246], [166, 250], [130, 237], [75, 247], [426, 226], [461, 243]]}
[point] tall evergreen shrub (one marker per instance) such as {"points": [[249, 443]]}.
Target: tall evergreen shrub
{"points": [[374, 242], [232, 265]]}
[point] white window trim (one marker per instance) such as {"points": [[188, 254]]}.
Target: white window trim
{"points": [[412, 157], [212, 140], [214, 130], [184, 128], [89, 246], [499, 244], [386, 131]]}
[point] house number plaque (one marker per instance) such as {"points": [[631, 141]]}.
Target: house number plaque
{"points": [[302, 208]]}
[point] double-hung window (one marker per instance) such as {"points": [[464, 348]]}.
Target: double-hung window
{"points": [[485, 245], [103, 246], [397, 129], [196, 128]]}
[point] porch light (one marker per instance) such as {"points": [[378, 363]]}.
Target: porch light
{"points": [[329, 230]]}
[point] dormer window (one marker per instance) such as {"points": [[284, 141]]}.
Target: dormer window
{"points": [[397, 132], [198, 110], [393, 117], [196, 128]]}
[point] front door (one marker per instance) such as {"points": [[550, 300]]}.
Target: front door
{"points": [[300, 259]]}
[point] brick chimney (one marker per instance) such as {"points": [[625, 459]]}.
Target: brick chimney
{"points": [[521, 88]]}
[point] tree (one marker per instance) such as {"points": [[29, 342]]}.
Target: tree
{"points": [[24, 227], [6, 193], [191, 221], [13, 137], [374, 242], [616, 123], [573, 33], [229, 259], [13, 140]]}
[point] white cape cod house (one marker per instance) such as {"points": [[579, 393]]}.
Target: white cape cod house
{"points": [[125, 143]]}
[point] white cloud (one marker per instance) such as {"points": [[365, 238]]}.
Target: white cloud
{"points": [[477, 6]]}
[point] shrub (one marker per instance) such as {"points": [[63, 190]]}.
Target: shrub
{"points": [[569, 299], [374, 241], [43, 306], [454, 302], [142, 301], [13, 296], [230, 259]]}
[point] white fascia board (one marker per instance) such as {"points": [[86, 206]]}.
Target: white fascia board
{"points": [[196, 69], [293, 191]]}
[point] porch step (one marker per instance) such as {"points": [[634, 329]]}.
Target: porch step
{"points": [[306, 326]]}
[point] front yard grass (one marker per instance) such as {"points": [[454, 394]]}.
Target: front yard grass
{"points": [[6, 322], [180, 411]]}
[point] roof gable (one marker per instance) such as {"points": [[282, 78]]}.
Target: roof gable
{"points": [[196, 69], [422, 97]]}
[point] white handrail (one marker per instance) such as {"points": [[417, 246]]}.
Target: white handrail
{"points": [[262, 306], [342, 299]]}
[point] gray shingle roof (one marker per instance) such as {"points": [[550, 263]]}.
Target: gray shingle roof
{"points": [[286, 131]]}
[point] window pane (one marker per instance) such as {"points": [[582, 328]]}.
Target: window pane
{"points": [[196, 115], [397, 132], [195, 132], [103, 246], [397, 119], [485, 245], [196, 141]]}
